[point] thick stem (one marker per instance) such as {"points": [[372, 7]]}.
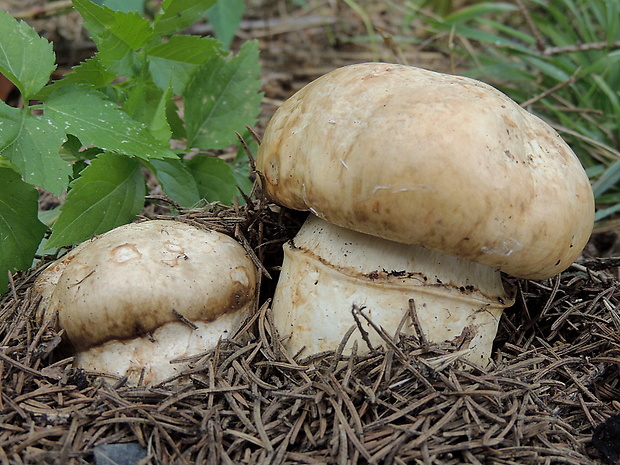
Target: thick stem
{"points": [[328, 270]]}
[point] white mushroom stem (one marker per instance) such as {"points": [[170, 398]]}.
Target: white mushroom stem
{"points": [[162, 356], [328, 269]]}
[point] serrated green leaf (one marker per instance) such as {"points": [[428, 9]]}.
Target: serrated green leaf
{"points": [[20, 230], [176, 15], [222, 98], [176, 181], [129, 32], [34, 148], [215, 179], [117, 34], [90, 71], [225, 18], [26, 59], [97, 19], [110, 192], [174, 62], [95, 120], [131, 29], [128, 26]]}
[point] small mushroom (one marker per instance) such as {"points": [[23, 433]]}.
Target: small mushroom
{"points": [[422, 187], [135, 298]]}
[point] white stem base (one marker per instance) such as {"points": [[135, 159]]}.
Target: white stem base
{"points": [[327, 270], [152, 361]]}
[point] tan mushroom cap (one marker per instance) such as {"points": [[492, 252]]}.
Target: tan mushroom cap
{"points": [[442, 161], [131, 281]]}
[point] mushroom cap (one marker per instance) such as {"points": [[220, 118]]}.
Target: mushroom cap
{"points": [[129, 282], [425, 158]]}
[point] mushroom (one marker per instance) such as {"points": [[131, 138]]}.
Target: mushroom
{"points": [[132, 300], [422, 188]]}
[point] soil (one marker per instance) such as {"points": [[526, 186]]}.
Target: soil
{"points": [[551, 394]]}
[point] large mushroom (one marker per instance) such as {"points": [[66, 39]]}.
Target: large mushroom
{"points": [[422, 187], [134, 299]]}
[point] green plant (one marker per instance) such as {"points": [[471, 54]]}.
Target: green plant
{"points": [[224, 17], [97, 130], [124, 5], [559, 59]]}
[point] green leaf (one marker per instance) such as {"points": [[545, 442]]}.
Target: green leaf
{"points": [[595, 170], [176, 15], [125, 5], [26, 59], [605, 212], [607, 180], [33, 146], [128, 27], [222, 98], [215, 179], [174, 62], [612, 25], [110, 192], [20, 230], [90, 71], [478, 10], [97, 121], [97, 19], [547, 67], [158, 122], [117, 34], [10, 122], [242, 179], [117, 46], [518, 36], [48, 217], [611, 95], [477, 34], [73, 147], [147, 103], [4, 163], [225, 18], [177, 125], [176, 181]]}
